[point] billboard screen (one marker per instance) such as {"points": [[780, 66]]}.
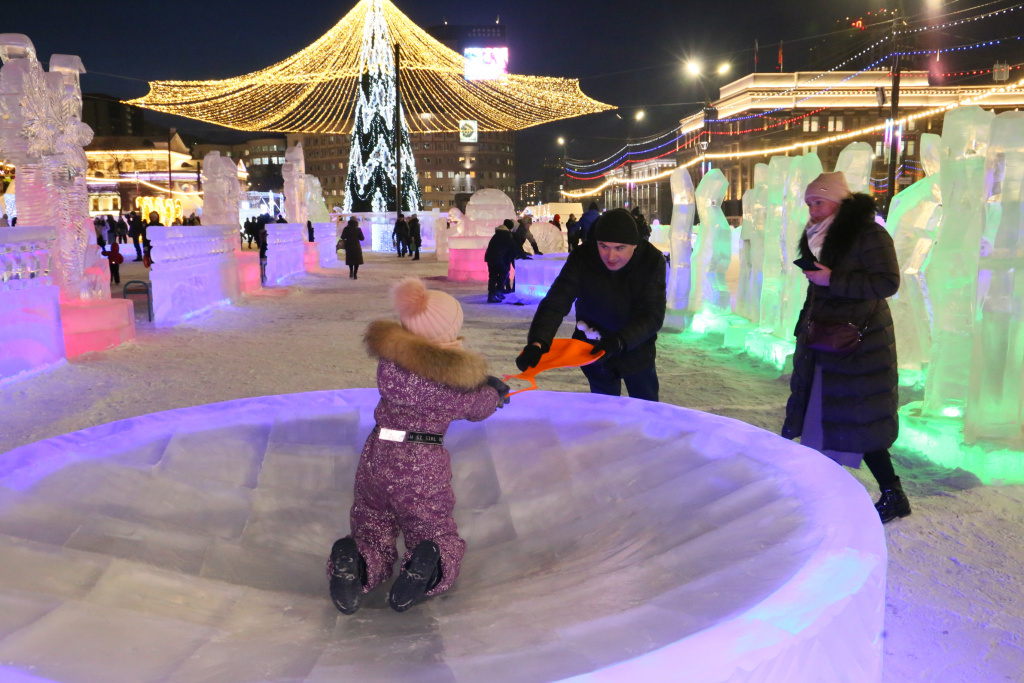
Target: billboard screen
{"points": [[486, 63]]}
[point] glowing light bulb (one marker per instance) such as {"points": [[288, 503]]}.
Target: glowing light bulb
{"points": [[693, 67]]}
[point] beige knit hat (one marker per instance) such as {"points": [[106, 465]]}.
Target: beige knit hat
{"points": [[428, 313], [830, 186]]}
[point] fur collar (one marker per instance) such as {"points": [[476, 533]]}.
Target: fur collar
{"points": [[456, 368], [854, 213]]}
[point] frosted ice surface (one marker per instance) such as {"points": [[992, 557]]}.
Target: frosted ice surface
{"points": [[854, 163], [712, 247], [604, 534], [802, 171], [485, 211], [775, 265]]}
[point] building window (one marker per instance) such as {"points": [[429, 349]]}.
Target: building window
{"points": [[807, 125], [814, 124], [426, 174], [451, 174], [878, 148], [910, 148]]}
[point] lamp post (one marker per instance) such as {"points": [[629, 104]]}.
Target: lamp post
{"points": [[561, 188], [637, 118], [695, 69]]}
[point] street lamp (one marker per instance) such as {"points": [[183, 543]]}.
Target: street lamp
{"points": [[561, 142], [637, 118]]}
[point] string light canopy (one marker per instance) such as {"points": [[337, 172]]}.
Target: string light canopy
{"points": [[315, 91]]}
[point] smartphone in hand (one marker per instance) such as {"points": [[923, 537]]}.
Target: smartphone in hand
{"points": [[805, 264]]}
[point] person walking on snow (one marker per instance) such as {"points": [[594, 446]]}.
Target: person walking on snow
{"points": [[845, 404], [403, 481], [352, 238]]}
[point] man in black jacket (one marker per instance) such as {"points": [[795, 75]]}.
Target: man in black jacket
{"points": [[502, 250], [617, 282]]}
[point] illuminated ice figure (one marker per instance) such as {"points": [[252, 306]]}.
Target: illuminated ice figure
{"points": [[457, 222], [802, 171], [913, 220], [994, 400], [855, 164], [774, 265], [550, 239], [220, 190], [316, 207], [684, 207], [748, 295], [42, 134], [294, 173], [485, 211], [712, 249], [956, 256]]}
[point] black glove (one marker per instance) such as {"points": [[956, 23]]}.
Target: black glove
{"points": [[500, 387], [529, 357], [610, 344]]}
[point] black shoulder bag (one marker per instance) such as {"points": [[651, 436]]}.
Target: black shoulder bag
{"points": [[829, 336]]}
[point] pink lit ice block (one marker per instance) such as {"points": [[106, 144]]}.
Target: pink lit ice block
{"points": [[97, 324], [466, 259], [534, 276], [311, 257], [249, 271], [31, 337], [608, 539]]}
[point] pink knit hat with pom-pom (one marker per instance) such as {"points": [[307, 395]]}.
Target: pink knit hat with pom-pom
{"points": [[428, 313]]}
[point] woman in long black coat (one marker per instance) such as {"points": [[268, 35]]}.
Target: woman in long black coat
{"points": [[845, 405], [352, 236]]}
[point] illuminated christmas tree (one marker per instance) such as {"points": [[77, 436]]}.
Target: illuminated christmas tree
{"points": [[370, 185]]}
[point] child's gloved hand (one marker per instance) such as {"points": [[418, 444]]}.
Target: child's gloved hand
{"points": [[501, 388], [529, 357]]}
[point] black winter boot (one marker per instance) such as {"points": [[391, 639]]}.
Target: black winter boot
{"points": [[421, 573], [347, 571], [893, 503]]}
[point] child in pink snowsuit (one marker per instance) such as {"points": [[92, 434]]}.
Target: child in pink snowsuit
{"points": [[403, 482]]}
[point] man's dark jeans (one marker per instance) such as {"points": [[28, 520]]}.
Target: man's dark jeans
{"points": [[604, 380]]}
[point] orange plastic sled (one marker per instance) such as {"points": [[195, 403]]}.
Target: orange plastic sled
{"points": [[564, 353]]}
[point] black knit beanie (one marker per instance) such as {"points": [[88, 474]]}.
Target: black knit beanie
{"points": [[508, 223], [615, 226]]}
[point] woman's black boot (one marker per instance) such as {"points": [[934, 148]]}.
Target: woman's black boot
{"points": [[893, 503], [347, 571]]}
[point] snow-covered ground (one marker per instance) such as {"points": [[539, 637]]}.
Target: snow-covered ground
{"points": [[954, 611]]}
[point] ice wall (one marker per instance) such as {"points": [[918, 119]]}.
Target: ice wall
{"points": [[712, 250], [956, 256], [194, 268], [31, 336], [802, 171], [326, 235], [285, 251], [684, 208]]}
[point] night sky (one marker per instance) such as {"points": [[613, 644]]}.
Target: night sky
{"points": [[625, 53]]}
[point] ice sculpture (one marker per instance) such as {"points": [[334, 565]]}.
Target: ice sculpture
{"points": [[294, 172], [802, 171], [196, 268], [41, 132], [748, 557], [774, 263], [994, 402], [221, 191], [913, 219], [486, 210], [326, 236], [442, 231], [550, 239], [316, 207], [748, 296], [712, 249], [457, 222], [956, 255], [684, 207], [855, 164]]}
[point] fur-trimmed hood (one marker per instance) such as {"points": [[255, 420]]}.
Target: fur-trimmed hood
{"points": [[854, 213], [457, 368]]}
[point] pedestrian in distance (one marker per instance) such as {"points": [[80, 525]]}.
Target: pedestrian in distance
{"points": [[524, 235], [403, 481], [135, 231], [617, 283], [572, 232], [587, 221], [115, 259], [309, 230], [501, 251], [844, 400], [352, 237], [401, 235], [415, 239]]}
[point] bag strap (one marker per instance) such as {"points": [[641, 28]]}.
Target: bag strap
{"points": [[867, 320]]}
